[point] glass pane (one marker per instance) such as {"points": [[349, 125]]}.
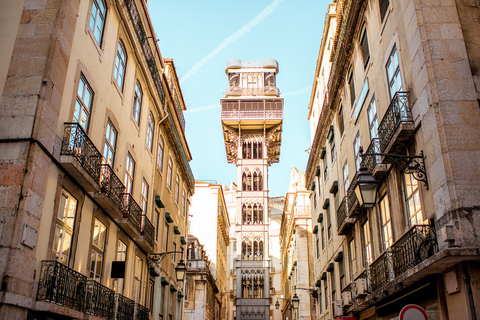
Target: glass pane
{"points": [[65, 253]]}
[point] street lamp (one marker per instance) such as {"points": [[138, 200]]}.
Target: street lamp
{"points": [[277, 305], [366, 188], [295, 301], [179, 269]]}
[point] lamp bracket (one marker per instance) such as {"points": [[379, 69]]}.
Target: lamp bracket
{"points": [[158, 257], [414, 165], [313, 292]]}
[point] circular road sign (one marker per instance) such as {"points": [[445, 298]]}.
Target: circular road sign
{"points": [[413, 312]]}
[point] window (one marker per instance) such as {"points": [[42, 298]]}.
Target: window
{"points": [[325, 168], [323, 238], [393, 73], [333, 283], [137, 103], [120, 64], [150, 131], [320, 307], [332, 148], [373, 119], [385, 220], [383, 8], [351, 87], [144, 196], [160, 152], [165, 237], [364, 45], [97, 250], [341, 124], [356, 151], [150, 293], [83, 103], [97, 19], [162, 300], [62, 240], [184, 204], [352, 257], [129, 173], [346, 179], [177, 188], [137, 279], [110, 142], [329, 222], [121, 256], [317, 245], [169, 173], [367, 242], [174, 249], [326, 297], [412, 197]]}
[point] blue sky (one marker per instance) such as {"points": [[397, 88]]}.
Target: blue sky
{"points": [[201, 36]]}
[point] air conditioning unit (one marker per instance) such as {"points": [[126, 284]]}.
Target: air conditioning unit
{"points": [[347, 298], [360, 288], [337, 308]]}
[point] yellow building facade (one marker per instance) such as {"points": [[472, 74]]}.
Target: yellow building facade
{"points": [[95, 164], [404, 86]]}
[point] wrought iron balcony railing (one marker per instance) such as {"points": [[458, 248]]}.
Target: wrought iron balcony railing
{"points": [[148, 230], [141, 312], [342, 212], [124, 308], [416, 245], [111, 185], [370, 162], [132, 211], [381, 270], [76, 143], [398, 112], [61, 285], [100, 300]]}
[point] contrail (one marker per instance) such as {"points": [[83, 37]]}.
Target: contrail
{"points": [[299, 91], [233, 37]]}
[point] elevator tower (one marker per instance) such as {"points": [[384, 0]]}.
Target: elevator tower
{"points": [[252, 115]]}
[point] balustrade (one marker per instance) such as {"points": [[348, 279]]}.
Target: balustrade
{"points": [[111, 185], [398, 112], [132, 211], [100, 300]]}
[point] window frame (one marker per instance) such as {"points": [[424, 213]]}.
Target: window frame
{"points": [[385, 222], [129, 173], [97, 251], [356, 150], [397, 74], [364, 47], [144, 195], [119, 283], [137, 103], [170, 173], [63, 224], [82, 107], [346, 178], [150, 132], [161, 152], [120, 65], [98, 14], [109, 147]]}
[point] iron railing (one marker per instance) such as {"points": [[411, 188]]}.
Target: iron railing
{"points": [[179, 109], [398, 112], [76, 143], [124, 308], [341, 212], [132, 211], [268, 90], [100, 300], [381, 270], [417, 244], [179, 144], [141, 312], [148, 230], [111, 185], [370, 162], [61, 285], [236, 110]]}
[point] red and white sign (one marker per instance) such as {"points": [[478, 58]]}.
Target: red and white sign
{"points": [[413, 312]]}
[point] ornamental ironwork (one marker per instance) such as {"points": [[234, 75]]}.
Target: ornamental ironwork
{"points": [[148, 230], [76, 143], [398, 112], [112, 186], [100, 300], [124, 308], [381, 270], [132, 211]]}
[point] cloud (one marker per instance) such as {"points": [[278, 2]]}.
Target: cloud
{"points": [[232, 38], [210, 107], [299, 91]]}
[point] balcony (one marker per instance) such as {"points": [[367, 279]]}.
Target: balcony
{"points": [[252, 110], [141, 312], [100, 300], [124, 308], [353, 208], [397, 127], [381, 270], [110, 197], [344, 222], [374, 164], [147, 240], [61, 285], [131, 221], [416, 245], [79, 157], [239, 91]]}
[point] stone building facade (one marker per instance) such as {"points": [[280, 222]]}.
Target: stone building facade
{"points": [[404, 82], [252, 114], [208, 206], [94, 164], [201, 290], [296, 251]]}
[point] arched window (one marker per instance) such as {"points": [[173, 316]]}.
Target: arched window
{"points": [[137, 103], [255, 181], [150, 131], [244, 150], [260, 151], [254, 149], [120, 64], [244, 213], [260, 214], [97, 19]]}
